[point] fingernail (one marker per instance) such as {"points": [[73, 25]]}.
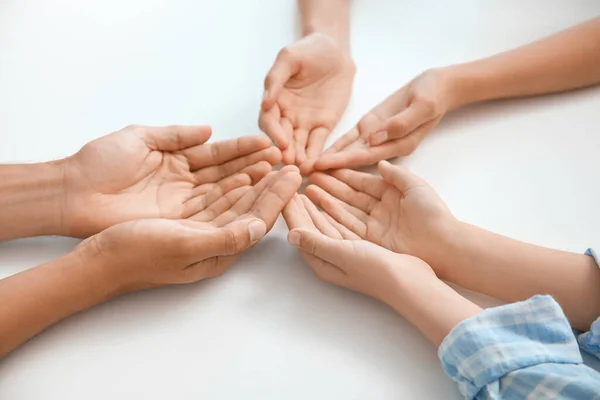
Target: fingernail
{"points": [[294, 238], [379, 138], [257, 230]]}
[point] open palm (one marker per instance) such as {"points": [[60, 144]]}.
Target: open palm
{"points": [[151, 172], [401, 212], [306, 93]]}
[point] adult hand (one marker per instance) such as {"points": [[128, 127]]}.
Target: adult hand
{"points": [[306, 93], [156, 172], [153, 252], [398, 211], [340, 257], [396, 126]]}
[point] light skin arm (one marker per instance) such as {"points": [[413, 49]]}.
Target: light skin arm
{"points": [[329, 17], [31, 200], [512, 271], [564, 61]]}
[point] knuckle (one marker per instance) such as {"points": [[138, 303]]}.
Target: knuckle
{"points": [[215, 152]]}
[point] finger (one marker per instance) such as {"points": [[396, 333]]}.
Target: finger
{"points": [[230, 239], [174, 137], [272, 201], [343, 191], [300, 138], [295, 215], [270, 123], [399, 147], [346, 233], [316, 142], [215, 173], [352, 158], [221, 205], [221, 152], [289, 154], [319, 220], [307, 167], [370, 184], [400, 177], [283, 69], [335, 208], [203, 200], [402, 124], [257, 171], [244, 204], [317, 244], [352, 136], [325, 271]]}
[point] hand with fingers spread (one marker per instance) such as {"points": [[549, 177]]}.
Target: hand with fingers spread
{"points": [[156, 172], [396, 126], [398, 211], [306, 93], [142, 254]]}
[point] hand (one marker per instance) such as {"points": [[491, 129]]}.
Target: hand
{"points": [[340, 257], [306, 93], [151, 172], [396, 126], [153, 252], [398, 211]]}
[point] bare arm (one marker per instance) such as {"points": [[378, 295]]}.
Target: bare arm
{"points": [[329, 17], [513, 271], [31, 200], [567, 60]]}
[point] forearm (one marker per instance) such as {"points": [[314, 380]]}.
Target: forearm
{"points": [[31, 198], [514, 271], [432, 307], [567, 60], [36, 299], [331, 17]]}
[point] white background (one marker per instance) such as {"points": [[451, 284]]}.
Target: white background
{"points": [[73, 70]]}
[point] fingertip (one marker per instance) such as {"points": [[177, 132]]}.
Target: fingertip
{"points": [[307, 167], [257, 230], [294, 237]]}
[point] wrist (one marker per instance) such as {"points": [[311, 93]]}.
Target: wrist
{"points": [[32, 199], [468, 84]]}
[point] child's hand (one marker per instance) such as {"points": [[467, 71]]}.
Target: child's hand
{"points": [[340, 257], [396, 126], [398, 211]]}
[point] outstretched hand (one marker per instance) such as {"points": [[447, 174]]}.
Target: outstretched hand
{"points": [[153, 252], [398, 211], [396, 126], [306, 93], [157, 172], [340, 257]]}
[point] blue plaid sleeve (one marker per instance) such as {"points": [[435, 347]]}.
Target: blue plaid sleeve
{"points": [[590, 341], [517, 351]]}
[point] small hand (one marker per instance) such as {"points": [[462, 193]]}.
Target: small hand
{"points": [[157, 172], [340, 257], [396, 126], [306, 93], [398, 211], [153, 252]]}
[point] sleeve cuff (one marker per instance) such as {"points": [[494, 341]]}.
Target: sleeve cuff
{"points": [[482, 349]]}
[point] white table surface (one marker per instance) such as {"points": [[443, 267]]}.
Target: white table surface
{"points": [[71, 71]]}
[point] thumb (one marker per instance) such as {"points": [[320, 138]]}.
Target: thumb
{"points": [[233, 238], [403, 123], [317, 244], [175, 137], [399, 177], [283, 69]]}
